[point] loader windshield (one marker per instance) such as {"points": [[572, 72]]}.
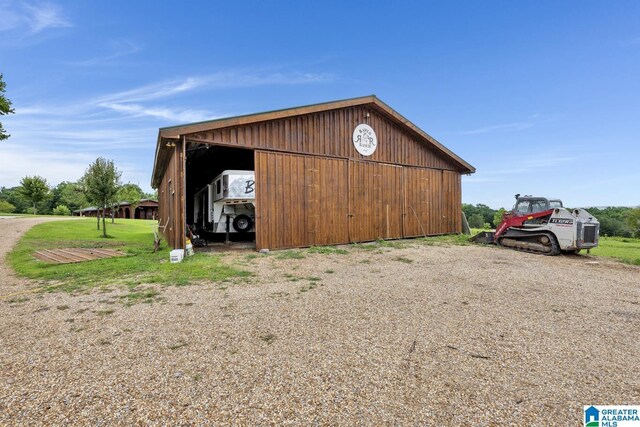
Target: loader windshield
{"points": [[526, 206]]}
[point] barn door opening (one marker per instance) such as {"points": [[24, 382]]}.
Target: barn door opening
{"points": [[375, 201], [219, 193]]}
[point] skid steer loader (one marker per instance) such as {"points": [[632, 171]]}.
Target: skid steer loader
{"points": [[541, 225]]}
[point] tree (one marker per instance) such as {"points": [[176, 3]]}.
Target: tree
{"points": [[483, 210], [101, 182], [69, 194], [12, 195], [613, 227], [35, 189], [151, 196], [497, 217], [614, 220], [476, 221], [633, 220], [5, 108]]}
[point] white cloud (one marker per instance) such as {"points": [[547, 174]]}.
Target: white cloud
{"points": [[508, 127], [220, 80], [153, 91], [55, 166], [182, 116], [17, 162], [118, 49], [42, 16], [10, 19], [525, 166], [58, 141], [31, 19], [130, 117]]}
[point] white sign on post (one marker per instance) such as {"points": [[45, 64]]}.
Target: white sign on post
{"points": [[365, 139]]}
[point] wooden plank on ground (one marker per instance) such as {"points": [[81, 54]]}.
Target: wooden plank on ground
{"points": [[70, 255]]}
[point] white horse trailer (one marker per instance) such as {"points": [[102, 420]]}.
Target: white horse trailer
{"points": [[227, 204]]}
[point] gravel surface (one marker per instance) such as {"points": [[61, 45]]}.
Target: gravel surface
{"points": [[421, 335]]}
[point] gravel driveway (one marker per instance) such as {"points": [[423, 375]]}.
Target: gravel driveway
{"points": [[421, 335]]}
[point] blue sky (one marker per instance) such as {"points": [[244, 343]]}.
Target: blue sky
{"points": [[541, 97]]}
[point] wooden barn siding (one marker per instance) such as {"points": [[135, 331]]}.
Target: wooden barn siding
{"points": [[171, 199], [329, 133], [375, 200], [432, 202], [307, 200]]}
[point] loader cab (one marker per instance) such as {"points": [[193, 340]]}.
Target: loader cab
{"points": [[528, 204], [555, 203]]}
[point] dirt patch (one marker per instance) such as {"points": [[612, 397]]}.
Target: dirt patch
{"points": [[415, 335]]}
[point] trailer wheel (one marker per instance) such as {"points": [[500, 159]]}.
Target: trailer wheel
{"points": [[242, 223]]}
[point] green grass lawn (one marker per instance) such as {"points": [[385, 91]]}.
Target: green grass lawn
{"points": [[140, 266], [624, 249]]}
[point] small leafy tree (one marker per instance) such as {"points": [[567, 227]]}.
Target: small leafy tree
{"points": [[35, 189], [151, 196], [88, 197], [5, 108], [633, 220], [61, 210], [101, 182], [497, 217], [6, 207]]}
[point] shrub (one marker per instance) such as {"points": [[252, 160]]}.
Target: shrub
{"points": [[61, 210], [6, 206]]}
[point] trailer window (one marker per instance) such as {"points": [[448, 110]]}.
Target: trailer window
{"points": [[218, 186]]}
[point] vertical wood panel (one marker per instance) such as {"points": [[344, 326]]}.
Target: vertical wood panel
{"points": [[171, 199], [432, 202], [375, 200], [301, 200]]}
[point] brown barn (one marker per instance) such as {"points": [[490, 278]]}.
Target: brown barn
{"points": [[313, 185], [146, 209]]}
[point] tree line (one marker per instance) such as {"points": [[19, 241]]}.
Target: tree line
{"points": [[99, 187], [614, 221]]}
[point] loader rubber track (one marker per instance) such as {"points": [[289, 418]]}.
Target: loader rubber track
{"points": [[553, 243]]}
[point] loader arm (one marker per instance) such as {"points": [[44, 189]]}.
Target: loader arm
{"points": [[512, 220]]}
